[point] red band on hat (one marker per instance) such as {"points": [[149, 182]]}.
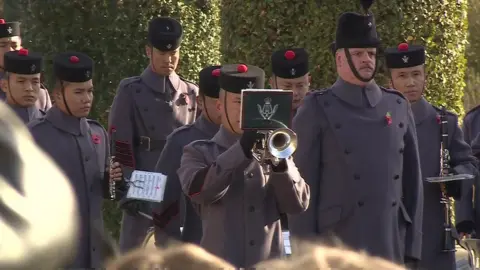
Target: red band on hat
{"points": [[74, 59], [289, 55], [403, 47], [242, 68]]}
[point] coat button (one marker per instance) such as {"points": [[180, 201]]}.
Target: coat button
{"points": [[347, 151], [87, 158], [394, 203], [152, 128], [396, 177], [326, 103], [145, 109], [399, 101], [356, 176], [400, 125], [360, 203], [252, 242], [338, 126], [250, 175], [251, 209], [400, 151], [93, 249]]}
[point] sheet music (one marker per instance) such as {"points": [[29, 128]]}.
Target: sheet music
{"points": [[147, 186]]}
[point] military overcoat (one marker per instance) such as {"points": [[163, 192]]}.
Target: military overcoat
{"points": [[176, 210], [427, 120], [27, 114], [239, 205], [146, 109], [80, 149], [357, 149]]}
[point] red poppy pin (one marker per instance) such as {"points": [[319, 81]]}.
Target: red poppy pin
{"points": [[388, 118], [439, 119], [96, 139]]}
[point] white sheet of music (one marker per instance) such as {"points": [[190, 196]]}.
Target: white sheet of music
{"points": [[147, 186]]}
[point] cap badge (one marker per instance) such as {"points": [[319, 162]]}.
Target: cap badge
{"points": [[293, 71], [33, 67], [10, 30], [250, 85], [87, 74], [169, 46], [168, 28], [370, 24], [267, 111], [405, 59]]}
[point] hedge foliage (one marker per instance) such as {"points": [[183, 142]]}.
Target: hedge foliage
{"points": [[253, 29], [113, 33], [472, 78]]}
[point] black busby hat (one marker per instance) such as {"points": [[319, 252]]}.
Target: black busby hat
{"points": [[234, 78], [9, 29], [208, 82], [23, 62], [165, 34], [290, 63], [73, 67], [405, 56]]}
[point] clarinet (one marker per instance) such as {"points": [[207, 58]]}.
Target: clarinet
{"points": [[112, 160], [448, 240]]}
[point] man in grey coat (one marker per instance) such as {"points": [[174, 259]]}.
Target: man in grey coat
{"points": [[80, 147], [21, 83], [239, 204], [146, 109], [176, 210], [357, 150], [406, 65]]}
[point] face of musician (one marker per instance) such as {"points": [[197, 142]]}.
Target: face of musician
{"points": [[163, 63], [299, 86], [8, 44], [21, 90], [229, 105], [78, 96], [363, 59], [409, 81], [209, 108]]}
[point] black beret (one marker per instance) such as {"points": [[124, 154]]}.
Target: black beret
{"points": [[208, 82], [9, 29], [405, 56], [356, 31], [290, 63], [165, 34], [73, 67], [23, 62], [234, 78]]}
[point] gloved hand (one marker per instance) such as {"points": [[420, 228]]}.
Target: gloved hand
{"points": [[411, 263], [465, 227], [248, 140], [132, 207]]}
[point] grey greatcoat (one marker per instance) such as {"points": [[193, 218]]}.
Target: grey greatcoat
{"points": [[27, 114], [240, 206], [170, 211], [80, 149], [462, 161], [471, 124], [146, 109], [363, 169]]}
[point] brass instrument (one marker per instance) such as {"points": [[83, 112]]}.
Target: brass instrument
{"points": [[275, 145], [473, 248], [111, 183]]}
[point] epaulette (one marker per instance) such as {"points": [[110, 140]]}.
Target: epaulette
{"points": [[393, 91], [197, 143], [188, 81], [180, 129], [447, 111], [129, 81], [473, 109], [95, 122], [318, 92]]}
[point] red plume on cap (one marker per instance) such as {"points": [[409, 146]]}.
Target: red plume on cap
{"points": [[216, 72], [289, 55], [242, 68], [23, 52], [403, 47], [2, 21], [74, 59]]}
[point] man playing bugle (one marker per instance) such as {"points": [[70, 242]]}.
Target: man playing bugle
{"points": [[406, 67], [239, 203]]}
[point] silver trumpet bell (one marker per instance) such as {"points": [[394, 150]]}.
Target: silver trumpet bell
{"points": [[473, 248], [282, 143]]}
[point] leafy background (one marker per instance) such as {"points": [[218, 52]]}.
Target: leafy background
{"points": [[113, 33]]}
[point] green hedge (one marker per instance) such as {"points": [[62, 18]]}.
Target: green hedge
{"points": [[253, 29], [472, 78], [114, 36]]}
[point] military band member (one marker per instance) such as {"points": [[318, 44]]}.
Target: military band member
{"points": [[239, 205], [21, 83], [146, 109], [290, 72], [471, 124], [10, 40], [357, 149], [167, 216], [79, 146], [406, 64]]}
